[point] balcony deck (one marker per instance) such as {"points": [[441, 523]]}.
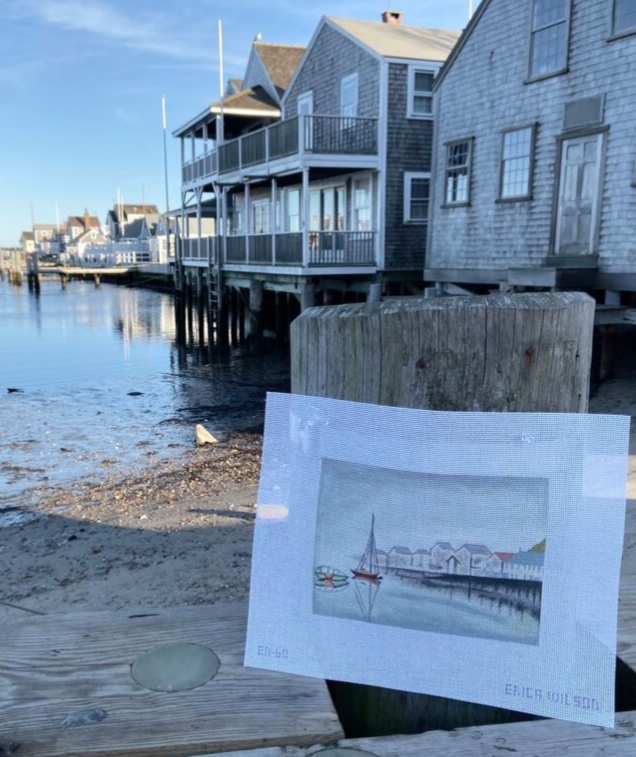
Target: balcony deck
{"points": [[351, 251], [288, 146]]}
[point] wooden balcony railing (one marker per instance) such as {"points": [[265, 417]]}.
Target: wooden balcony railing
{"points": [[324, 135], [190, 249], [326, 249], [342, 248]]}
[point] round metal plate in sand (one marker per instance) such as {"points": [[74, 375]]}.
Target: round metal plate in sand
{"points": [[342, 752], [175, 667]]}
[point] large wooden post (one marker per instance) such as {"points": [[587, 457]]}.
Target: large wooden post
{"points": [[500, 353]]}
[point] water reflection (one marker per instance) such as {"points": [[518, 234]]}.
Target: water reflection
{"points": [[78, 353], [494, 610]]}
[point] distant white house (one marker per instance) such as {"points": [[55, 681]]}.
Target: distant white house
{"points": [[27, 241], [494, 565], [440, 553], [525, 566], [399, 557], [421, 559], [383, 560], [471, 558]]}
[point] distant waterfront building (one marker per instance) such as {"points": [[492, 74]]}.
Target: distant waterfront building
{"points": [[78, 225], [471, 558], [525, 566], [383, 559], [122, 217], [400, 557], [494, 565], [440, 554], [27, 242], [421, 559]]}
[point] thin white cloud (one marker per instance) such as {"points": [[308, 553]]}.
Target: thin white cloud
{"points": [[101, 19], [15, 74]]}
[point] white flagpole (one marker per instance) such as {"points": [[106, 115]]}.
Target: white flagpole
{"points": [[57, 218], [165, 168], [221, 136], [470, 9]]}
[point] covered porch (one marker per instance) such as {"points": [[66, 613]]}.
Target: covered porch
{"points": [[316, 218]]}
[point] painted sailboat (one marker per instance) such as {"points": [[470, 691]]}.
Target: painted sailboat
{"points": [[369, 568]]}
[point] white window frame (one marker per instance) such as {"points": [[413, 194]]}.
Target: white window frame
{"points": [[286, 216], [408, 188], [410, 103], [306, 97], [368, 180], [469, 175], [531, 33], [527, 195], [345, 81], [618, 33], [261, 204]]}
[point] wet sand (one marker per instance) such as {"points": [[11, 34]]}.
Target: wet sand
{"points": [[178, 534]]}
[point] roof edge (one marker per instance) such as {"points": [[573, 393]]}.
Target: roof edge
{"points": [[459, 45]]}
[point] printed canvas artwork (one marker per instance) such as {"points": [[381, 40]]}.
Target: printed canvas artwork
{"points": [[415, 552], [474, 556]]}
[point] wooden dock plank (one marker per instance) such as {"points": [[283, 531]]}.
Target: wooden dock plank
{"points": [[56, 665], [541, 738]]}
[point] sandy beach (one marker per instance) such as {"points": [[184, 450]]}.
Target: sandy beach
{"points": [[179, 534]]}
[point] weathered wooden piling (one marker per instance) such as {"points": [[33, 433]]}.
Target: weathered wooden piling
{"points": [[499, 353]]}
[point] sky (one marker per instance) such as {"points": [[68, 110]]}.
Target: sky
{"points": [[416, 510], [81, 84]]}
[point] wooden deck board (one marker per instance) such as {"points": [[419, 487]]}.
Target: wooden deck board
{"points": [[53, 666], [541, 738]]}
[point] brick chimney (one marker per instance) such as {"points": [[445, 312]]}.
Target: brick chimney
{"points": [[87, 219], [392, 17]]}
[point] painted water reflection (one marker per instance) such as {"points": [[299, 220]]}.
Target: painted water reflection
{"points": [[502, 611]]}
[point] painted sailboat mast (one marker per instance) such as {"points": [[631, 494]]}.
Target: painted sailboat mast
{"points": [[369, 564]]}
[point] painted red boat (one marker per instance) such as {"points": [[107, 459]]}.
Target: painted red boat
{"points": [[369, 567]]}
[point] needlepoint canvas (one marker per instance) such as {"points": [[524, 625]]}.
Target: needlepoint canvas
{"points": [[474, 556]]}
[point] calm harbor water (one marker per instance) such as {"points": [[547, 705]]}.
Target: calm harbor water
{"points": [[457, 610], [105, 385]]}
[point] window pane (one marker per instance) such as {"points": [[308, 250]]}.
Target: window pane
{"points": [[341, 209], [625, 15], [424, 81], [349, 96], [517, 149], [457, 173], [549, 49], [418, 210], [423, 105], [362, 205], [328, 199], [548, 12], [314, 211]]}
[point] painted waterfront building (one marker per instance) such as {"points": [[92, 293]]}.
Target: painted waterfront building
{"points": [[525, 566], [471, 558], [535, 154], [421, 559], [321, 178], [400, 557], [440, 553]]}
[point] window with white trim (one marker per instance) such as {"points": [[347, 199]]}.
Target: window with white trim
{"points": [[420, 94], [549, 37], [349, 96], [260, 217], [624, 16], [292, 210], [458, 169], [362, 209], [417, 188], [516, 163]]}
